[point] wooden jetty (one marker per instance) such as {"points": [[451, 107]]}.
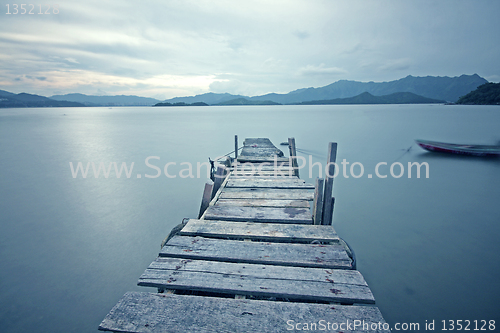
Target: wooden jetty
{"points": [[257, 259]]}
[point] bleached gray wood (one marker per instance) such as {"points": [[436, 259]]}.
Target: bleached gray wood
{"points": [[293, 156], [259, 214], [294, 283], [218, 193], [262, 193], [260, 159], [284, 254], [263, 203], [249, 176], [268, 178], [270, 183], [151, 312], [235, 146], [304, 274], [275, 232], [327, 197], [220, 175], [318, 201], [207, 196], [264, 166]]}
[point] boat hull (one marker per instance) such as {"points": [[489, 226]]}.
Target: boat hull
{"points": [[472, 150]]}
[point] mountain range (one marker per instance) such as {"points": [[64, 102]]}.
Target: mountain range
{"points": [[435, 89], [444, 88], [119, 100], [22, 100]]}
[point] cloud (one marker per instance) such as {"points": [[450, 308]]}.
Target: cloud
{"points": [[181, 47], [320, 70]]}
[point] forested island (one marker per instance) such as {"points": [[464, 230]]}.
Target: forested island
{"points": [[181, 104], [485, 94]]}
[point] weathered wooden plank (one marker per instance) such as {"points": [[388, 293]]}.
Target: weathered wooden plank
{"points": [[303, 274], [220, 176], [271, 165], [284, 254], [318, 201], [207, 196], [294, 283], [259, 147], [293, 156], [235, 146], [327, 197], [152, 312], [263, 203], [259, 214], [261, 159], [269, 178], [263, 231], [265, 173], [269, 183], [269, 175], [263, 193]]}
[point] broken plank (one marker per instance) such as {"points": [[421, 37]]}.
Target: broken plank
{"points": [[263, 203], [254, 280], [262, 231], [263, 193], [259, 214], [284, 254], [152, 312]]}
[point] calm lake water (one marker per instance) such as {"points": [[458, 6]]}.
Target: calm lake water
{"points": [[71, 247]]}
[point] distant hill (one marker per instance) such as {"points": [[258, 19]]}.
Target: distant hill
{"points": [[119, 100], [441, 88], [367, 98], [181, 104], [436, 87], [244, 101], [488, 93], [23, 100], [209, 98]]}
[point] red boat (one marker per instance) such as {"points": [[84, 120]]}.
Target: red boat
{"points": [[474, 150]]}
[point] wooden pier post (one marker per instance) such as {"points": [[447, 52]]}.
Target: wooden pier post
{"points": [[207, 196], [327, 198], [317, 212], [219, 178], [235, 146], [293, 156]]}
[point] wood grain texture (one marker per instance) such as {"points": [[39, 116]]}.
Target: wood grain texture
{"points": [[294, 283], [284, 254], [273, 194], [263, 203], [259, 214], [262, 231], [147, 312], [269, 183]]}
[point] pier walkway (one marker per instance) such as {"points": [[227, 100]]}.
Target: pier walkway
{"points": [[255, 260]]}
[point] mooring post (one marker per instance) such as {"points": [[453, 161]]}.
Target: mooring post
{"points": [[293, 156], [219, 178], [207, 196], [327, 198], [317, 212], [235, 146]]}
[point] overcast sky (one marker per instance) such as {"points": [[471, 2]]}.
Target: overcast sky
{"points": [[171, 48]]}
